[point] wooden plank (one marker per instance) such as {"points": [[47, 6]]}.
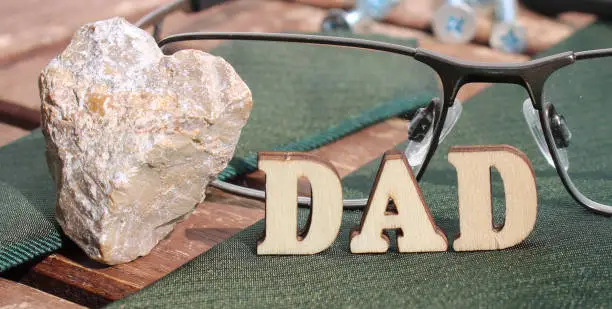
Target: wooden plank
{"points": [[30, 38], [351, 152], [327, 3], [18, 80], [542, 32], [9, 133], [293, 17], [250, 16], [347, 154], [209, 224], [27, 26], [14, 295], [224, 214], [577, 20], [19, 115]]}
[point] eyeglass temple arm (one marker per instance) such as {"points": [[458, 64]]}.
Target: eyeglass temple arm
{"points": [[156, 17], [261, 195]]}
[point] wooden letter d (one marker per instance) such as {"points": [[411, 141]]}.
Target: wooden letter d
{"points": [[283, 170]]}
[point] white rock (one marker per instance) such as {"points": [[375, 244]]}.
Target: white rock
{"points": [[133, 137]]}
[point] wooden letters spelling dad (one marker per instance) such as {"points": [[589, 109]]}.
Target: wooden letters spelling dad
{"points": [[410, 215]]}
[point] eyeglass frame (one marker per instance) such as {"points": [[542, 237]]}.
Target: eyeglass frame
{"points": [[453, 73]]}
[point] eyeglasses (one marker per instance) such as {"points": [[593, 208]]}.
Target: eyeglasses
{"points": [[565, 145]]}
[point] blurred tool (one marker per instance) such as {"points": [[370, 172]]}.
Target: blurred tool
{"points": [[364, 12], [454, 22], [507, 35], [601, 8]]}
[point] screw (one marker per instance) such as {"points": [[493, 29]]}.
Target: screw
{"points": [[354, 20], [454, 22], [507, 35]]}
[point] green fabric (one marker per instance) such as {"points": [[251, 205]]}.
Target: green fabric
{"points": [[308, 95], [287, 115], [565, 263], [27, 203]]}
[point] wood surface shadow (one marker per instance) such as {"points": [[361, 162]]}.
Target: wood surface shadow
{"points": [[208, 235], [72, 251]]}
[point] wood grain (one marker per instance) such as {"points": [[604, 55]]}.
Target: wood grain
{"points": [[9, 133], [28, 26], [209, 224], [347, 154], [32, 34], [19, 115], [417, 230], [282, 235], [577, 20], [474, 165], [222, 214], [18, 81], [72, 269], [327, 3], [14, 295], [247, 16]]}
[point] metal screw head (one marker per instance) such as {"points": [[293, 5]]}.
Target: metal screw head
{"points": [[340, 20], [454, 23], [335, 21], [358, 18], [509, 37]]}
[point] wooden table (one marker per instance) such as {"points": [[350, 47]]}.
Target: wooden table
{"points": [[31, 37]]}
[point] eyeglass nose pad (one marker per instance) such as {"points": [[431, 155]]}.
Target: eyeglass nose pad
{"points": [[420, 131], [560, 130], [535, 127]]}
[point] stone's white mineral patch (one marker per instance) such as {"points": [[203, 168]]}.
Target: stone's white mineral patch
{"points": [[133, 137]]}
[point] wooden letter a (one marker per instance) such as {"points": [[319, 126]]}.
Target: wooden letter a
{"points": [[419, 233], [283, 170]]}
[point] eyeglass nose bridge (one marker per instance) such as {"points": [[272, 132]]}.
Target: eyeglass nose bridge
{"points": [[531, 75]]}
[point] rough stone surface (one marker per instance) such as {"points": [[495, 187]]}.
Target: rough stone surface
{"points": [[133, 137]]}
